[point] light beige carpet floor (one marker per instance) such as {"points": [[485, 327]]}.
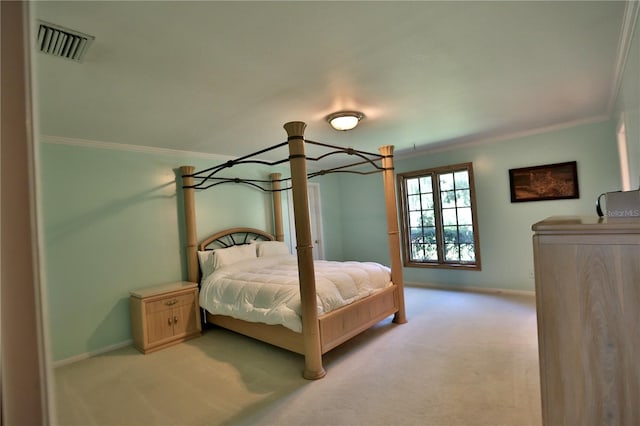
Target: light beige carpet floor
{"points": [[462, 359]]}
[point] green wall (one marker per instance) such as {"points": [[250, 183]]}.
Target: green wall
{"points": [[113, 223], [505, 227], [113, 220]]}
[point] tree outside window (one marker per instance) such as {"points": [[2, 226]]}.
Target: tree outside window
{"points": [[439, 217]]}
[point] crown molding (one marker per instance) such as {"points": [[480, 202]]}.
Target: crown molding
{"points": [[475, 140], [441, 146], [87, 143], [629, 21]]}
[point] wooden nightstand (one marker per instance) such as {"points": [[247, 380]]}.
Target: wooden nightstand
{"points": [[164, 315]]}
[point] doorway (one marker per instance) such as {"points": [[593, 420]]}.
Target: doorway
{"points": [[315, 218]]}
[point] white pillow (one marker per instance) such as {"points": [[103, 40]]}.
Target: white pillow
{"points": [[272, 248], [230, 255], [205, 258]]}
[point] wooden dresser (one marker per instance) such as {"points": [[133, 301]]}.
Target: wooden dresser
{"points": [[587, 272], [164, 315]]}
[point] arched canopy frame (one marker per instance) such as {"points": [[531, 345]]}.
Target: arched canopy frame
{"points": [[319, 333]]}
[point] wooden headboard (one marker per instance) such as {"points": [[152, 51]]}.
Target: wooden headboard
{"points": [[234, 237], [219, 240]]}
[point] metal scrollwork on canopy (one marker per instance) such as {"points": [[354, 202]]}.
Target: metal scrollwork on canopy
{"points": [[207, 178]]}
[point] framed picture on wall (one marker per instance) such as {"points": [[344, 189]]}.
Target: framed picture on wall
{"points": [[547, 182]]}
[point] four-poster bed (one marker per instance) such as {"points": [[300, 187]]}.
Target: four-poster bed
{"points": [[319, 333]]}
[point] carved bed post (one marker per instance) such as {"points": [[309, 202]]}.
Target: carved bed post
{"points": [[277, 205], [310, 327], [190, 223], [392, 229]]}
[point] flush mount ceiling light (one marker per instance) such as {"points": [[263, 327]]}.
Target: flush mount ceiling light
{"points": [[344, 120]]}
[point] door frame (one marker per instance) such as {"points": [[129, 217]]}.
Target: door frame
{"points": [[26, 385], [315, 217]]}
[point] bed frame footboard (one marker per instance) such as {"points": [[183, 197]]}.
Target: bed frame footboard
{"points": [[276, 335], [340, 325], [336, 327]]}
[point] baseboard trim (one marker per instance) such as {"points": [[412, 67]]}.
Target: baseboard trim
{"points": [[129, 342], [88, 355], [471, 289]]}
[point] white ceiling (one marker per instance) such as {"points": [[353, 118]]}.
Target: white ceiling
{"points": [[223, 77]]}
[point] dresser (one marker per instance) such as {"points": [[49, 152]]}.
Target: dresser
{"points": [[164, 315], [587, 276]]}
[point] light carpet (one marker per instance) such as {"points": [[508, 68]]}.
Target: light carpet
{"points": [[462, 359]]}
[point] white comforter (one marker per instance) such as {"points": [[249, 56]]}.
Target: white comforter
{"points": [[266, 289]]}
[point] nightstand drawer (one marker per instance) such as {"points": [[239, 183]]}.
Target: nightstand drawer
{"points": [[170, 302]]}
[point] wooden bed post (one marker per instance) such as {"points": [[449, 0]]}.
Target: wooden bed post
{"points": [[190, 223], [392, 229], [304, 247], [277, 205]]}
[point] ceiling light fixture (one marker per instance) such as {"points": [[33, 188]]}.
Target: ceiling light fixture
{"points": [[344, 120]]}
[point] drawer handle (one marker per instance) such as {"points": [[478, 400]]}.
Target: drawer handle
{"points": [[171, 302]]}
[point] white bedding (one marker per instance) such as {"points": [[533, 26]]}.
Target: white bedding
{"points": [[266, 289]]}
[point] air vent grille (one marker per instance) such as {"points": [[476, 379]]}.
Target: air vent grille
{"points": [[62, 42]]}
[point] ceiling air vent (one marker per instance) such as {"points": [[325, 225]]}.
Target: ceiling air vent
{"points": [[62, 42]]}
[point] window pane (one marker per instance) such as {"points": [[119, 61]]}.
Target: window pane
{"points": [[424, 252], [416, 235], [417, 251], [464, 216], [415, 219], [450, 234], [451, 252], [446, 182], [449, 217], [427, 201], [414, 202], [413, 186], [465, 234], [425, 184], [431, 252], [448, 199], [429, 218], [430, 235], [463, 198], [467, 253], [462, 179]]}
